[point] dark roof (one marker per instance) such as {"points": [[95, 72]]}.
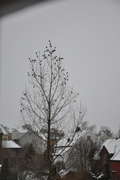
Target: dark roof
{"points": [[8, 6]]}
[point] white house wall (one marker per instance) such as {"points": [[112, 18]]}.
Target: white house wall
{"points": [[29, 138], [16, 134]]}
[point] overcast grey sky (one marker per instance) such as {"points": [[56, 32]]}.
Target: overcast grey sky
{"points": [[86, 33]]}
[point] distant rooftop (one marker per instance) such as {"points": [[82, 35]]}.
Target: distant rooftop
{"points": [[2, 129]]}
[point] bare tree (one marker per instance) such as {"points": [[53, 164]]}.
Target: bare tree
{"points": [[50, 103], [83, 156]]}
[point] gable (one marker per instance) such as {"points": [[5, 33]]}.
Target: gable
{"points": [[104, 152], [28, 138], [31, 138], [89, 135]]}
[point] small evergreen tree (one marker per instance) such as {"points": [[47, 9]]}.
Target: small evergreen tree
{"points": [[30, 153]]}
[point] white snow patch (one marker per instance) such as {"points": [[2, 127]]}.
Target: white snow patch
{"points": [[10, 144]]}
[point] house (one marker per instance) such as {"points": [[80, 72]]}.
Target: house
{"points": [[31, 137], [70, 141], [103, 138], [64, 146], [111, 150], [7, 147], [71, 152], [25, 136], [10, 147]]}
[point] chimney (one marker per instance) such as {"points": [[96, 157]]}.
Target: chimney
{"points": [[1, 133]]}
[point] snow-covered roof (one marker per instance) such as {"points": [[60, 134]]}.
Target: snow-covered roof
{"points": [[10, 144], [113, 147], [116, 156], [64, 141], [20, 130], [3, 130]]}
